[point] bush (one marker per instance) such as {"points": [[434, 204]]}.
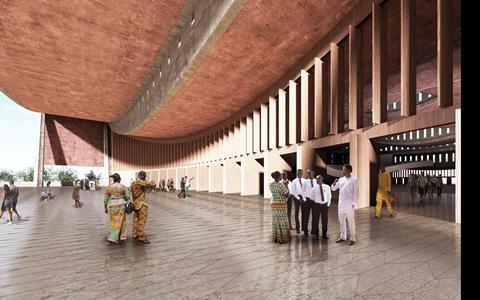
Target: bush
{"points": [[25, 175], [6, 175], [49, 175], [67, 175]]}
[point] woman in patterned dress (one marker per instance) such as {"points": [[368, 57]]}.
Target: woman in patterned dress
{"points": [[280, 227], [116, 199]]}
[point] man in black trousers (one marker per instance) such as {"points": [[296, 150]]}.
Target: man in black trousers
{"points": [[307, 206], [322, 196]]}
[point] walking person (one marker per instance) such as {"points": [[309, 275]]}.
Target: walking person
{"points": [[49, 191], [439, 185], [286, 182], [76, 193], [14, 193], [182, 188], [322, 196], [280, 227], [296, 191], [115, 201], [422, 185], [187, 186], [7, 204], [347, 202], [413, 186], [140, 205], [384, 193], [309, 203]]}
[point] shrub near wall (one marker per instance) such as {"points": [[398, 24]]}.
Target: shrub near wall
{"points": [[66, 176]]}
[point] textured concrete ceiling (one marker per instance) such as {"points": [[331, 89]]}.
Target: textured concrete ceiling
{"points": [[80, 58], [266, 40], [87, 59]]}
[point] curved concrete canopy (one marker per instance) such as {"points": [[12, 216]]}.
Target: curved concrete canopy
{"points": [[90, 59], [266, 39], [83, 59]]}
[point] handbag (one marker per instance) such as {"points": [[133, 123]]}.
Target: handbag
{"points": [[129, 208]]}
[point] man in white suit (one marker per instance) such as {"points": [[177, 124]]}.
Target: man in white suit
{"points": [[347, 202]]}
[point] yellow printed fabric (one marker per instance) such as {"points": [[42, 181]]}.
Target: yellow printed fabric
{"points": [[138, 192], [115, 198], [384, 187]]}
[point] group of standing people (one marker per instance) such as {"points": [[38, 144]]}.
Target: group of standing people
{"points": [[117, 198], [425, 186], [311, 196], [9, 201], [166, 186]]}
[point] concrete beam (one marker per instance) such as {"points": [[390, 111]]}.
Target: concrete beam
{"points": [[212, 19]]}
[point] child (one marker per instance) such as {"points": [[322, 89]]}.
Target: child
{"points": [[76, 194]]}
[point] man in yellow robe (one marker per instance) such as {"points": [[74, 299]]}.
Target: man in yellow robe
{"points": [[383, 192], [140, 206]]}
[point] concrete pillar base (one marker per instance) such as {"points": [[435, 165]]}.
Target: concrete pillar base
{"points": [[250, 175], [231, 178]]}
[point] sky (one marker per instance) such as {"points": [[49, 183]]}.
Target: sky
{"points": [[20, 131]]}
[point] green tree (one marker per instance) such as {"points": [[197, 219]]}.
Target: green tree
{"points": [[6, 175], [66, 175], [25, 175], [49, 174]]}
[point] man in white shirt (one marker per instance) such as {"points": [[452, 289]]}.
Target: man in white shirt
{"points": [[322, 196], [309, 203], [296, 192], [187, 185], [347, 202]]}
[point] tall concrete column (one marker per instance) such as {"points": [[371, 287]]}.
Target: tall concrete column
{"points": [[202, 178], [250, 175], [458, 166], [272, 162], [445, 52], [215, 178], [304, 120], [282, 118], [362, 157], [41, 153], [272, 123], [249, 127], [408, 72], [379, 64], [256, 131], [243, 137], [264, 126], [106, 163], [163, 174], [231, 177], [191, 172], [292, 111], [305, 157]]}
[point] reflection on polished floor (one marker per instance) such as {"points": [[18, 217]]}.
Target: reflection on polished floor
{"points": [[439, 207], [215, 246]]}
